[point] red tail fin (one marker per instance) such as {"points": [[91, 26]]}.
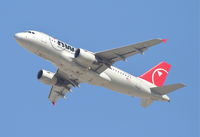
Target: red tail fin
{"points": [[157, 74]]}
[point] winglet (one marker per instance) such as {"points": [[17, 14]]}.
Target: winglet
{"points": [[165, 40]]}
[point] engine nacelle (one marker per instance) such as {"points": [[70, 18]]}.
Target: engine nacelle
{"points": [[47, 77], [85, 57]]}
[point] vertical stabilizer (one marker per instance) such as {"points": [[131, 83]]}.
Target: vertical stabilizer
{"points": [[158, 74]]}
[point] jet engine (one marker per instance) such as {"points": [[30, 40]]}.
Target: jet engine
{"points": [[47, 77], [85, 58]]}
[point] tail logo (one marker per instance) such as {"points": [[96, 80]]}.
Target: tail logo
{"points": [[158, 76], [159, 73]]}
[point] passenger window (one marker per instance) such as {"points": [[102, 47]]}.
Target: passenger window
{"points": [[66, 46], [62, 45], [58, 42]]}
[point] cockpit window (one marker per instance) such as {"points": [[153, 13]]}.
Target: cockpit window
{"points": [[31, 32], [58, 42]]}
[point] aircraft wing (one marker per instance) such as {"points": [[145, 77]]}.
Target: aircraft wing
{"points": [[59, 91], [122, 53], [56, 93]]}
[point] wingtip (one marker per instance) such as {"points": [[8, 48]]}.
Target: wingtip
{"points": [[164, 40], [183, 85]]}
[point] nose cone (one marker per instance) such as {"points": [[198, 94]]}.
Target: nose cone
{"points": [[25, 40], [19, 36]]}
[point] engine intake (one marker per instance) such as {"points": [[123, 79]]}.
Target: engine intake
{"points": [[47, 77], [85, 57]]}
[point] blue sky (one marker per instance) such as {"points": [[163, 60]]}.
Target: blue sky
{"points": [[98, 25]]}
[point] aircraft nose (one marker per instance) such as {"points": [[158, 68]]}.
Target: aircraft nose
{"points": [[18, 36], [21, 38]]}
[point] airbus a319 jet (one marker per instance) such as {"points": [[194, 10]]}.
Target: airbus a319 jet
{"points": [[76, 65]]}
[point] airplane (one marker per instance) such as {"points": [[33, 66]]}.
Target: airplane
{"points": [[77, 65]]}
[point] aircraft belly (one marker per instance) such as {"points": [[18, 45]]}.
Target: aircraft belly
{"points": [[106, 79], [84, 75], [114, 83], [124, 89]]}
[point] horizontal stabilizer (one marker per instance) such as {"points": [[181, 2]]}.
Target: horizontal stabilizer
{"points": [[166, 89]]}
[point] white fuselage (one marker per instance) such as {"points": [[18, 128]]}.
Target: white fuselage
{"points": [[112, 78]]}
